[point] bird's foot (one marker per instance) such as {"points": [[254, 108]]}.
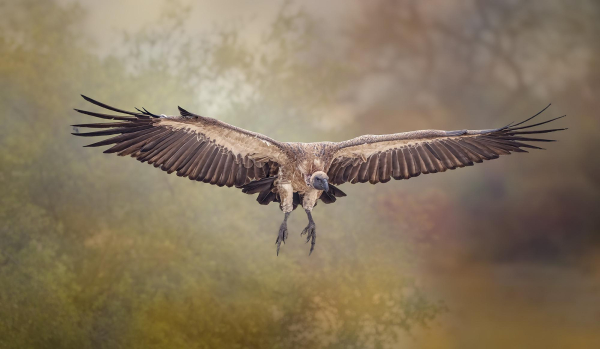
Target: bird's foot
{"points": [[283, 234], [311, 235]]}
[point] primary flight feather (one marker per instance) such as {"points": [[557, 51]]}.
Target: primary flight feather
{"points": [[208, 150]]}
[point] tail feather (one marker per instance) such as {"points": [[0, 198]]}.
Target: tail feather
{"points": [[327, 197], [266, 197], [265, 186], [330, 196], [258, 186], [336, 192]]}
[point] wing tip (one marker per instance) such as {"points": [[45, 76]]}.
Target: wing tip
{"points": [[91, 100], [185, 113], [513, 128]]}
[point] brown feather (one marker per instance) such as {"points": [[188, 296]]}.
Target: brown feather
{"points": [[339, 175], [385, 162], [458, 152], [266, 197], [251, 173], [333, 168], [425, 159], [212, 165], [260, 171], [114, 131], [128, 140], [170, 150], [218, 169], [152, 145], [133, 148], [414, 166], [445, 156], [352, 177], [240, 178], [495, 147], [435, 159], [192, 154], [363, 173], [201, 167], [107, 117], [226, 170], [247, 162], [122, 138], [402, 164], [328, 198], [473, 156], [502, 144], [396, 174], [486, 152], [173, 163], [374, 169], [100, 104], [159, 148], [115, 124], [473, 150], [232, 172]]}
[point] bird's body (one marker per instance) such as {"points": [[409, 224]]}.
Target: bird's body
{"points": [[309, 158], [291, 173]]}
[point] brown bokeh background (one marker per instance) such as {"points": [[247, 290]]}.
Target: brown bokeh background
{"points": [[98, 251]]}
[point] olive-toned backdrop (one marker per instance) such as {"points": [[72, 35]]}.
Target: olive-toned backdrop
{"points": [[98, 251]]}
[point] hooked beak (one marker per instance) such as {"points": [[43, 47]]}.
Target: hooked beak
{"points": [[321, 184]]}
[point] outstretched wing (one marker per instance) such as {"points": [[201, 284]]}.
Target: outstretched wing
{"points": [[377, 159], [197, 147]]}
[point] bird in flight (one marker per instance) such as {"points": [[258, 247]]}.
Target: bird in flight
{"points": [[290, 173]]}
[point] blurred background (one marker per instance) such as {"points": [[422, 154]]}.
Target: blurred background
{"points": [[98, 251]]}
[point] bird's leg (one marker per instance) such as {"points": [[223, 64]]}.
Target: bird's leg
{"points": [[283, 232], [310, 231], [286, 195]]}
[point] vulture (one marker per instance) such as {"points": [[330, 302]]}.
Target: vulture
{"points": [[211, 151]]}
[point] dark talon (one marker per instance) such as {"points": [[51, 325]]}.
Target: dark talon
{"points": [[283, 232], [311, 235], [311, 232]]}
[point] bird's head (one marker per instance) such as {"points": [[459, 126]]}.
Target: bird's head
{"points": [[318, 180]]}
